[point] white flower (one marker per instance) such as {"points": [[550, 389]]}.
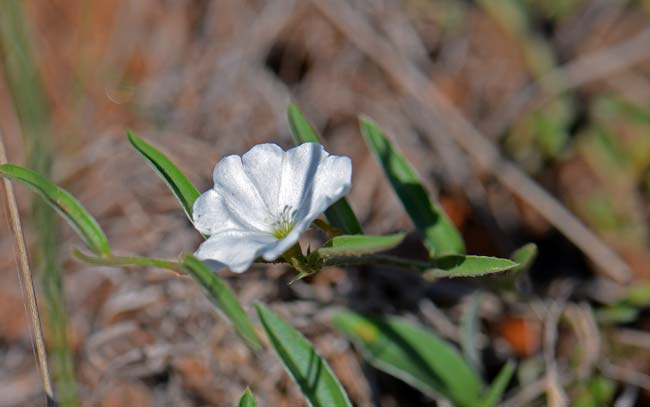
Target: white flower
{"points": [[264, 200]]}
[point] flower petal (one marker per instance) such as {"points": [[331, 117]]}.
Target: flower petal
{"points": [[298, 172], [324, 179], [276, 250], [235, 249], [239, 194], [211, 216], [263, 164]]}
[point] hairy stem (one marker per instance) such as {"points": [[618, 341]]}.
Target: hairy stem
{"points": [[119, 261], [379, 260]]}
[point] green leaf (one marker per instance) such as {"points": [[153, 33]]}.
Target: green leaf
{"points": [[340, 214], [183, 189], [359, 245], [495, 392], [65, 204], [457, 265], [302, 131], [439, 233], [414, 355], [525, 256], [617, 314], [247, 399], [638, 294], [312, 373], [223, 298]]}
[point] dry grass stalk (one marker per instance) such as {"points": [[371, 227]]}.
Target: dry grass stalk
{"points": [[27, 282]]}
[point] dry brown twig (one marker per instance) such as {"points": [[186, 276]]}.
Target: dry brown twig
{"points": [[413, 82], [583, 70], [27, 283], [555, 395]]}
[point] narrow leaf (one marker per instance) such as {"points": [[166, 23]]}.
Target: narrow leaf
{"points": [[439, 233], [65, 204], [340, 214], [312, 373], [223, 298], [467, 266], [247, 399], [359, 245], [183, 189], [499, 385], [302, 131], [414, 355], [525, 256]]}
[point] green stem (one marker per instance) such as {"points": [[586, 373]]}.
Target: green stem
{"points": [[128, 261], [379, 260]]}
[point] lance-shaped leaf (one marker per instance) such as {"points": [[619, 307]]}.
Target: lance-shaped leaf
{"points": [[359, 245], [414, 355], [65, 204], [247, 399], [439, 233], [525, 256], [312, 373], [340, 214], [223, 298], [183, 189], [457, 265]]}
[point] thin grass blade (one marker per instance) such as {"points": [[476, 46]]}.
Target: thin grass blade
{"points": [[495, 392]]}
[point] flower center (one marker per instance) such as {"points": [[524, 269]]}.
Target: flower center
{"points": [[284, 222]]}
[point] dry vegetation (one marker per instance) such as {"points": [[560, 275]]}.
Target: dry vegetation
{"points": [[202, 79]]}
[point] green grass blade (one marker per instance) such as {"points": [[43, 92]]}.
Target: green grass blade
{"points": [[457, 265], [312, 373], [65, 204], [223, 298], [414, 355], [247, 399], [439, 233], [340, 214], [183, 189], [20, 67], [359, 245], [499, 385]]}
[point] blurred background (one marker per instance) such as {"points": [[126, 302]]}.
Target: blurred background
{"points": [[559, 88]]}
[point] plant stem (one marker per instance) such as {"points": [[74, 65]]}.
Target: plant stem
{"points": [[129, 261], [380, 260]]}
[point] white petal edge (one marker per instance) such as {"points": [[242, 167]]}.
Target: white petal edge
{"points": [[237, 250]]}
